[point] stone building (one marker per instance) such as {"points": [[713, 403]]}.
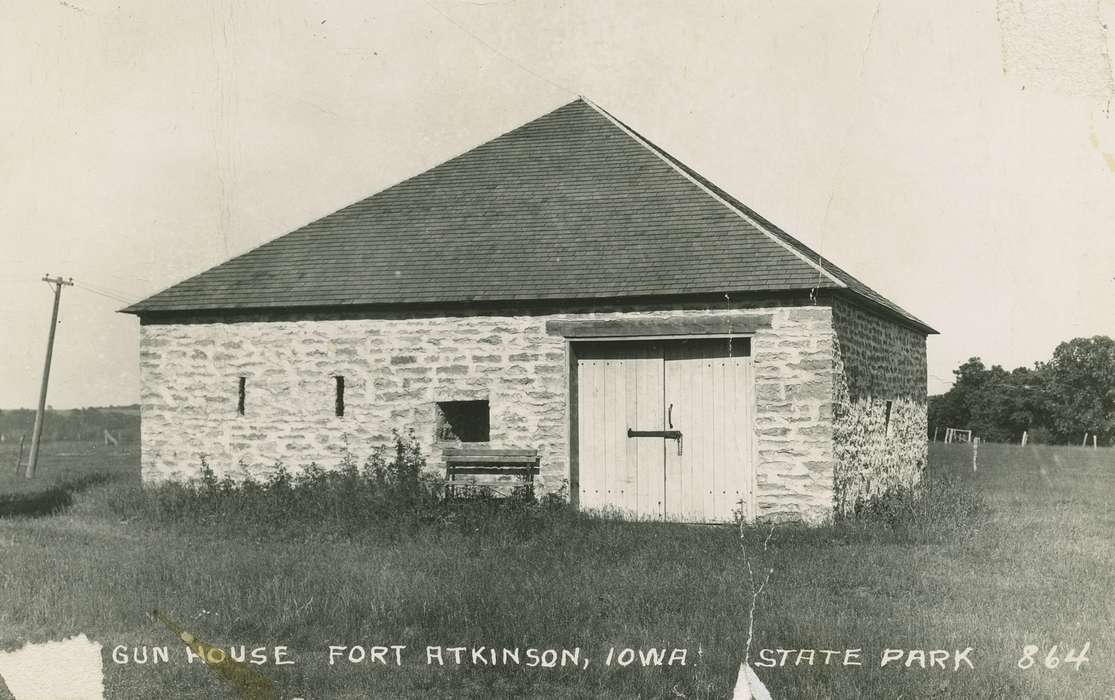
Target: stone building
{"points": [[570, 288]]}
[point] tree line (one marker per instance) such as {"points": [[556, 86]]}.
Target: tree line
{"points": [[73, 424], [1055, 402]]}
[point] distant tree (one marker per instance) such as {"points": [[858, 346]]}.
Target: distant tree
{"points": [[1025, 404], [1081, 378], [77, 424], [995, 404], [953, 409], [1056, 401], [975, 400]]}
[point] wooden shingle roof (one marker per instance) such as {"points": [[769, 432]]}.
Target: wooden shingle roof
{"points": [[571, 206]]}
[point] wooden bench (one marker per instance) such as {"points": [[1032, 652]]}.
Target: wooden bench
{"points": [[464, 464]]}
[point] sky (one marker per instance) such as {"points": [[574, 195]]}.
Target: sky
{"points": [[957, 157]]}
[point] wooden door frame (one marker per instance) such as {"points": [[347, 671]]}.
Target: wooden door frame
{"points": [[573, 473]]}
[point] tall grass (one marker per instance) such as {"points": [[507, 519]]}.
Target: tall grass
{"points": [[389, 495], [392, 494], [994, 560]]}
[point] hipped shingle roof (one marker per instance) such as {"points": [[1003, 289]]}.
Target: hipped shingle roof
{"points": [[571, 206]]}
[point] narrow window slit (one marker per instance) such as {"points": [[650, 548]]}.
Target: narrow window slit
{"points": [[240, 397], [339, 405]]}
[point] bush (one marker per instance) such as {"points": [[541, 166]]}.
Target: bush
{"points": [[390, 494], [936, 510]]}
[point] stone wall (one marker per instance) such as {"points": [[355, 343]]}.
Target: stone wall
{"points": [[877, 362], [396, 368], [793, 418]]}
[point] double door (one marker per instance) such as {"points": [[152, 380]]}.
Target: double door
{"points": [[665, 428]]}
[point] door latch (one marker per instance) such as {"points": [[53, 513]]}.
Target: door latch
{"points": [[668, 434]]}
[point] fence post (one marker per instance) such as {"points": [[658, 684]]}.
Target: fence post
{"points": [[19, 459], [1024, 436], [975, 453], [1093, 441], [1085, 443]]}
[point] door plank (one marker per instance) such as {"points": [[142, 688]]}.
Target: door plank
{"points": [[716, 491], [650, 454], [678, 411], [590, 458], [615, 437], [745, 432], [630, 412]]}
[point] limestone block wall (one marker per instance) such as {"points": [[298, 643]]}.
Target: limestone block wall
{"points": [[793, 371], [876, 362], [396, 368]]}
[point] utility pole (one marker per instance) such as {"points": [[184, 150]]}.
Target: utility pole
{"points": [[32, 461]]}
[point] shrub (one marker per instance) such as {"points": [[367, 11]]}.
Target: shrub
{"points": [[935, 510], [390, 494]]}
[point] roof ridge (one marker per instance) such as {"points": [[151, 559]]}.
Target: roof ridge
{"points": [[748, 215]]}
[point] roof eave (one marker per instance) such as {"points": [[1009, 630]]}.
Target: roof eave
{"points": [[715, 296], [142, 310], [904, 318]]}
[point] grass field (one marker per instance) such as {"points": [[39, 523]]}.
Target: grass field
{"points": [[1036, 570]]}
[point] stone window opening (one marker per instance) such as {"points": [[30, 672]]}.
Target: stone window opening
{"points": [[240, 396], [886, 419], [463, 421], [339, 398]]}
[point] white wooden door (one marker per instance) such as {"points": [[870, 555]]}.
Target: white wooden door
{"points": [[619, 385], [700, 388], [708, 397]]}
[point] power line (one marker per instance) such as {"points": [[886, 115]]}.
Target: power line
{"points": [[106, 288], [106, 295], [111, 298], [105, 292]]}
